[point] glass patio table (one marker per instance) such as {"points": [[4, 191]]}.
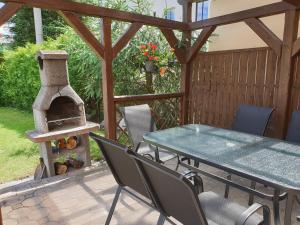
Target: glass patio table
{"points": [[268, 161]]}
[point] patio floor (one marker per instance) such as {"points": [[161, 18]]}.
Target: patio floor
{"points": [[83, 198]]}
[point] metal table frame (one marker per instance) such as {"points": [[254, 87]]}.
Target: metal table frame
{"points": [[280, 192]]}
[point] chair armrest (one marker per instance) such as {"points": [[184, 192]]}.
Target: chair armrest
{"points": [[253, 209], [197, 180]]}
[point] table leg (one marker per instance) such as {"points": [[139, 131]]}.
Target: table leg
{"points": [[276, 208], [1, 221], [289, 208]]}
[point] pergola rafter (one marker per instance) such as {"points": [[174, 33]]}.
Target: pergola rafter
{"points": [[126, 37], [9, 10], [100, 12], [293, 2], [265, 34], [258, 12], [74, 21]]}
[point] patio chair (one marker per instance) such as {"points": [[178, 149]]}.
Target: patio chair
{"points": [[252, 120], [124, 171], [182, 202], [293, 134], [138, 120]]}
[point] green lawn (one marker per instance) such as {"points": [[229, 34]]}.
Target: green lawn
{"points": [[19, 156]]}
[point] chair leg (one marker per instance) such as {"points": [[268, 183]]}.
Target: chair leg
{"points": [[113, 206], [251, 196], [161, 219], [226, 194], [178, 163], [196, 164]]}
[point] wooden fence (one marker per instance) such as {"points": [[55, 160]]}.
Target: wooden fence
{"points": [[165, 110], [221, 81]]}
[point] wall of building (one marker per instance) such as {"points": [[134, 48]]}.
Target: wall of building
{"points": [[239, 35], [160, 5]]}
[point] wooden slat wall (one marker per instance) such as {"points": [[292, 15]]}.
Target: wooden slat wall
{"points": [[221, 81]]}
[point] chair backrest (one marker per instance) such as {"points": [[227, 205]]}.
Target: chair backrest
{"points": [[175, 195], [138, 120], [293, 134], [122, 166], [252, 119]]}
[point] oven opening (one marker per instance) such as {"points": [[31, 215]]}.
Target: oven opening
{"points": [[63, 113]]}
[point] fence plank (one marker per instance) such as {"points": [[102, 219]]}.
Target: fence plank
{"points": [[223, 80]]}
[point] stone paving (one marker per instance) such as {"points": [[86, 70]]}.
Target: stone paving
{"points": [[84, 198]]}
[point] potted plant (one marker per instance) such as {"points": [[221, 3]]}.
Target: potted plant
{"points": [[151, 57]]}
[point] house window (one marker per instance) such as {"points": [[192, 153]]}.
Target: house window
{"points": [[202, 10], [170, 13]]}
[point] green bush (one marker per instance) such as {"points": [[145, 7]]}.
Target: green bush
{"points": [[19, 75]]}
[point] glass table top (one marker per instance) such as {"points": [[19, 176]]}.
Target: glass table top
{"points": [[273, 161]]}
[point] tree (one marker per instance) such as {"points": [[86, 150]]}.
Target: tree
{"points": [[23, 29]]}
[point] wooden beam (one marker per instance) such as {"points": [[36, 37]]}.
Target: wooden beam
{"points": [[173, 42], [74, 21], [149, 97], [108, 81], [265, 34], [125, 38], [201, 40], [1, 221], [296, 47], [263, 11], [293, 2], [286, 71], [186, 66], [8, 11], [96, 11]]}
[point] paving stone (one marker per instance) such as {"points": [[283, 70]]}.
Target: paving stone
{"points": [[85, 199]]}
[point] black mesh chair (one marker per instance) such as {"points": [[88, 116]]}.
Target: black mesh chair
{"points": [[138, 121], [293, 134], [252, 120], [182, 202], [125, 173]]}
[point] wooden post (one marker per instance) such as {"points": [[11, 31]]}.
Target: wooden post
{"points": [[1, 221], [107, 81], [186, 66], [286, 70]]}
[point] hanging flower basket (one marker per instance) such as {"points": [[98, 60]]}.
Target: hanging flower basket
{"points": [[150, 66]]}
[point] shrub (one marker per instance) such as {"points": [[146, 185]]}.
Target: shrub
{"points": [[19, 75]]}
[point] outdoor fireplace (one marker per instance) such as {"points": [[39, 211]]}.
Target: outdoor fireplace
{"points": [[58, 111]]}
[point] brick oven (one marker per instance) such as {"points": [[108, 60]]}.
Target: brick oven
{"points": [[58, 112]]}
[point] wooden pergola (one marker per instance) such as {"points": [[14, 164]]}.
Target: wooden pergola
{"points": [[285, 50]]}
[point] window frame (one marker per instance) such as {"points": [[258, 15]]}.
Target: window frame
{"points": [[197, 10]]}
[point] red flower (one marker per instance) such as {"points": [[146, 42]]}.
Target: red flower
{"points": [[143, 47], [162, 71], [156, 58], [146, 53], [154, 47], [151, 58]]}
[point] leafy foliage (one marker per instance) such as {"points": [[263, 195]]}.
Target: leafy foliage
{"points": [[19, 71], [24, 30], [19, 75]]}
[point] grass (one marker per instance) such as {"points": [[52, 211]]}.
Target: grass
{"points": [[19, 156]]}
